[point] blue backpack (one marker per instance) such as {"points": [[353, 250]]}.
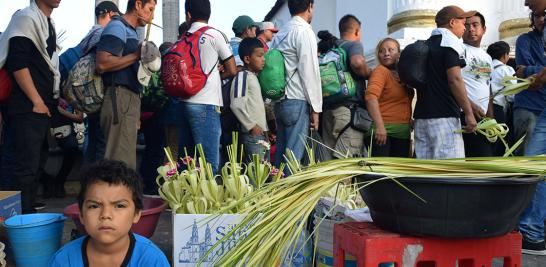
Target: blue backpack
{"points": [[70, 57]]}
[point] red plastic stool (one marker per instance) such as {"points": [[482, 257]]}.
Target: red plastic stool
{"points": [[373, 246]]}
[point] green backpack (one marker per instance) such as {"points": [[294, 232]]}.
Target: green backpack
{"points": [[338, 84], [272, 77]]}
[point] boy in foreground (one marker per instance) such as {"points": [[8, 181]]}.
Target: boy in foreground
{"points": [[110, 201], [247, 102]]}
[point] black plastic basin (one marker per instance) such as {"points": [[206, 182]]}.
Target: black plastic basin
{"points": [[454, 208]]}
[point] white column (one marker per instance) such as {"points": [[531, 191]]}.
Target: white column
{"points": [[115, 2], [171, 19], [399, 6], [511, 9]]}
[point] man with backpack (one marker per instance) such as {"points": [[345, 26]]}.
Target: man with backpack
{"points": [[201, 111], [337, 131], [95, 144], [438, 105], [28, 51], [299, 108], [117, 59]]}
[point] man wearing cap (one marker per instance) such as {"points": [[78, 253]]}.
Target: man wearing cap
{"points": [[299, 109], [118, 55], [336, 130], [437, 112], [243, 27], [477, 77], [266, 33], [95, 144]]}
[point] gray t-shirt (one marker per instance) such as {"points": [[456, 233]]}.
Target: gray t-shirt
{"points": [[354, 48]]}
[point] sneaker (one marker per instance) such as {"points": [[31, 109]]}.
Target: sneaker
{"points": [[532, 248], [39, 206]]}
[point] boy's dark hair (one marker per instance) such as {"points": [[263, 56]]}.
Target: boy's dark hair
{"points": [[348, 23], [327, 41], [298, 6], [164, 47], [482, 18], [199, 9], [131, 4], [247, 46], [183, 28], [114, 173], [498, 49]]}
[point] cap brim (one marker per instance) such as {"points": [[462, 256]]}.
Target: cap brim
{"points": [[275, 30], [468, 14]]}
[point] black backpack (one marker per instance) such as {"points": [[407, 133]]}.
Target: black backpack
{"points": [[412, 65]]}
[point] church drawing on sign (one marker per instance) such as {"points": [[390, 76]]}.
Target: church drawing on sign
{"points": [[195, 250]]}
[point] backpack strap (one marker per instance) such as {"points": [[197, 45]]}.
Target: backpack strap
{"points": [[85, 48], [114, 98], [201, 31], [296, 70]]}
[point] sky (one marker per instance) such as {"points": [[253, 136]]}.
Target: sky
{"points": [[77, 16]]}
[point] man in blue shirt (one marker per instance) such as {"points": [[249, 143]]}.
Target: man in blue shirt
{"points": [[118, 53], [530, 60], [531, 224]]}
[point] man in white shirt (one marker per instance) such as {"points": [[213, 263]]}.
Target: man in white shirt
{"points": [[477, 79], [300, 107], [201, 112]]}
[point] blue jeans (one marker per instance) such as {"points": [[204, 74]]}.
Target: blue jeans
{"points": [[251, 146], [95, 144], [201, 125], [292, 128], [531, 223], [524, 123]]}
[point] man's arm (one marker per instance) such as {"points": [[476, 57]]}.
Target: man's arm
{"points": [[457, 87], [24, 80], [107, 62], [229, 68], [308, 71], [18, 62], [359, 66]]}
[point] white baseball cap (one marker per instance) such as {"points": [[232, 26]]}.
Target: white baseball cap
{"points": [[268, 25]]}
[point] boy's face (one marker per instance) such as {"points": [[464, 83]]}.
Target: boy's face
{"points": [[256, 61], [108, 212]]}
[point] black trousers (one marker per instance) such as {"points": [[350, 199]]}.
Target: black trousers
{"points": [[500, 117], [476, 144], [30, 154], [394, 147]]}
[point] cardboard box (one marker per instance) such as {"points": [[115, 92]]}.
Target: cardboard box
{"points": [[193, 236], [10, 204]]}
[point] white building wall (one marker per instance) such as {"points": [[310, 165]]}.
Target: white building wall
{"points": [[375, 14]]}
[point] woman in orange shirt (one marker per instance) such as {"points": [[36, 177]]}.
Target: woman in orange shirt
{"points": [[389, 104]]}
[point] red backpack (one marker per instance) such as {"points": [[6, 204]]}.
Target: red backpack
{"points": [[5, 85], [182, 74]]}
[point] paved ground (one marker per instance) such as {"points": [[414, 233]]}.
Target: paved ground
{"points": [[163, 237]]}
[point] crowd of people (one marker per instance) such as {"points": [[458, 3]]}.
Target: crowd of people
{"points": [[462, 77]]}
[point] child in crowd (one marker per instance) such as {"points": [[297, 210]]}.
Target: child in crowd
{"points": [[246, 100], [500, 53], [110, 202]]}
